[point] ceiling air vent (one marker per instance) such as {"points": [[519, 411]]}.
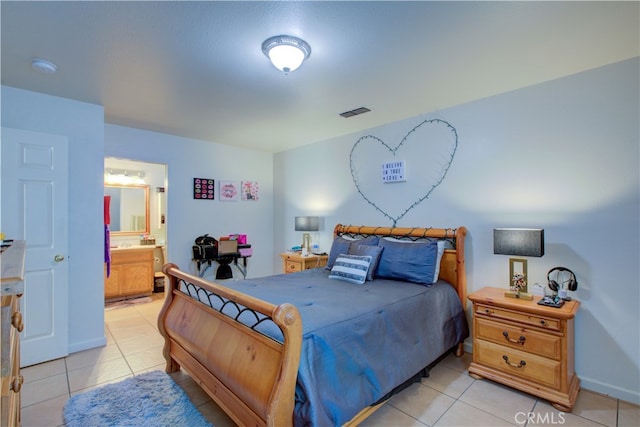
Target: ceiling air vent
{"points": [[355, 112]]}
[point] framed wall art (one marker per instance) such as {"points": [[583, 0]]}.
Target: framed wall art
{"points": [[229, 191], [203, 188], [250, 190]]}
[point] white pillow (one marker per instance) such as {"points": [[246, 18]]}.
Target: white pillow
{"points": [[441, 244], [352, 268]]}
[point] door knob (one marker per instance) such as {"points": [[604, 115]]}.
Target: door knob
{"points": [[58, 258]]}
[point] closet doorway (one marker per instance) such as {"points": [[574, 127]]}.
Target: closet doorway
{"points": [[136, 208]]}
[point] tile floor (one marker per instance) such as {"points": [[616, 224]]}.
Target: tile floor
{"points": [[449, 397]]}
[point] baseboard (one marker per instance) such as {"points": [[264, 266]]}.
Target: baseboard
{"points": [[87, 345], [631, 396]]}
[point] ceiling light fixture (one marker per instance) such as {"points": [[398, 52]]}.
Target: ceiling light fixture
{"points": [[286, 53], [123, 176], [43, 66]]}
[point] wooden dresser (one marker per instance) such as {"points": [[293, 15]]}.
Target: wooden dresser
{"points": [[132, 273], [293, 262], [12, 260], [526, 346]]}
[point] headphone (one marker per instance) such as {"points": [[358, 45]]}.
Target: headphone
{"points": [[572, 283]]}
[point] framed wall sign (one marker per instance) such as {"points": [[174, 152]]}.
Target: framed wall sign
{"points": [[393, 172]]}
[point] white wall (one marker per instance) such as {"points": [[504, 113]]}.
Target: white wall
{"points": [[83, 125], [563, 156], [188, 218]]}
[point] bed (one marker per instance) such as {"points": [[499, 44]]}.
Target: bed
{"points": [[306, 349]]}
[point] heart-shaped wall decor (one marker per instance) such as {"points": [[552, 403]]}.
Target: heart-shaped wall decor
{"points": [[427, 150]]}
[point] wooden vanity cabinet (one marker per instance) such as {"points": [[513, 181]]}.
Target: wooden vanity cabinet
{"points": [[131, 273]]}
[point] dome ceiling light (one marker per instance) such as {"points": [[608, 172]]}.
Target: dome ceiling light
{"points": [[286, 53]]}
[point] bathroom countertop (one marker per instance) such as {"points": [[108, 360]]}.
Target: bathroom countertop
{"points": [[135, 247]]}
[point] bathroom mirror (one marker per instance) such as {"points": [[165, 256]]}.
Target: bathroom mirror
{"points": [[129, 208]]}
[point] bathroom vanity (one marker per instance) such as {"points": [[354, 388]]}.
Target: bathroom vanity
{"points": [[132, 273]]}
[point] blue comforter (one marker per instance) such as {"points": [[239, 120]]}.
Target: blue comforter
{"points": [[359, 341]]}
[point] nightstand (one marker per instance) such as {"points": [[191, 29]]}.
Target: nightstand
{"points": [[526, 346], [293, 262]]}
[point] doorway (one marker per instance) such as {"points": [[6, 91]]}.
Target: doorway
{"points": [[151, 225]]}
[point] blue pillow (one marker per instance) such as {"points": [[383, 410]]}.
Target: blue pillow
{"points": [[410, 261], [373, 251], [341, 245], [352, 268]]}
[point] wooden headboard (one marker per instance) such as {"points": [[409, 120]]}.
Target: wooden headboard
{"points": [[452, 268]]}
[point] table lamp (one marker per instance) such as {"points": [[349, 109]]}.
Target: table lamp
{"points": [[307, 223], [525, 242]]}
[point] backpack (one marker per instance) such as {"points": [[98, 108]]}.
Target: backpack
{"points": [[205, 248]]}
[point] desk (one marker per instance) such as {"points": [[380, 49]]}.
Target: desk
{"points": [[224, 264]]}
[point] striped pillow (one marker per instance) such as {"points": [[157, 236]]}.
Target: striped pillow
{"points": [[352, 268]]}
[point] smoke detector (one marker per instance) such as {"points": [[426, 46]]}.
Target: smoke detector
{"points": [[43, 66]]}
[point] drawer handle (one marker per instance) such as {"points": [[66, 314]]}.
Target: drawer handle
{"points": [[542, 322], [16, 384], [513, 365], [487, 311], [16, 321], [518, 341]]}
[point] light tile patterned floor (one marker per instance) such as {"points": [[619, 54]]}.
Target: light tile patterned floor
{"points": [[449, 397]]}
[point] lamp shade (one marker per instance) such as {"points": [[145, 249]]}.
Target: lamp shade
{"points": [[307, 223], [518, 241]]}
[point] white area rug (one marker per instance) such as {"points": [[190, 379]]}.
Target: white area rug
{"points": [[151, 399]]}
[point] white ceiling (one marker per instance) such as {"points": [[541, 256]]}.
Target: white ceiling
{"points": [[196, 69]]}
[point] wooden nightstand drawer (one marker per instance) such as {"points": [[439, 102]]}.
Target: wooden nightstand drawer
{"points": [[294, 262], [519, 363], [518, 316], [292, 267], [546, 345]]}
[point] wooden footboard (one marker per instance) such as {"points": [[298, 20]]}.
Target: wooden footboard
{"points": [[250, 376]]}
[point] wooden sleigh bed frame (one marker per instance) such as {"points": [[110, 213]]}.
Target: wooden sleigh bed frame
{"points": [[250, 376]]}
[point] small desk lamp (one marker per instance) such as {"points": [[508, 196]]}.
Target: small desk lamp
{"points": [[520, 242], [307, 223]]}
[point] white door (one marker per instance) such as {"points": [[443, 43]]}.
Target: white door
{"points": [[34, 209]]}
